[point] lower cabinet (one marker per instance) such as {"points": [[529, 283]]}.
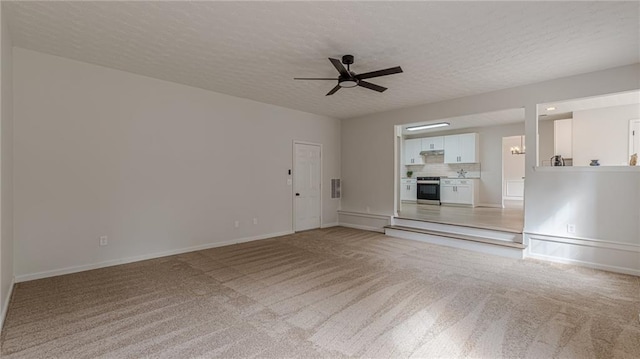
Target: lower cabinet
{"points": [[459, 191], [408, 190]]}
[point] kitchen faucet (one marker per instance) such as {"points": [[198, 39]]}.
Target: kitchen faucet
{"points": [[462, 173]]}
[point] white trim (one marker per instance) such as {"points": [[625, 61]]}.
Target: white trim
{"points": [[398, 154], [606, 267], [293, 180], [328, 225], [588, 242], [372, 222], [490, 205], [365, 228], [5, 307], [630, 147], [114, 262], [365, 215], [499, 234], [503, 251], [598, 254]]}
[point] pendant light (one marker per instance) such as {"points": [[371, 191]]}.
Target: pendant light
{"points": [[515, 150]]}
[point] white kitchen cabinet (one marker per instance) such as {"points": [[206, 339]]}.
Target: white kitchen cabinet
{"points": [[447, 193], [459, 191], [462, 148], [433, 143], [408, 190], [412, 149]]}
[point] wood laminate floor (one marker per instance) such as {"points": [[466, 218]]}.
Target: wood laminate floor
{"points": [[510, 219]]}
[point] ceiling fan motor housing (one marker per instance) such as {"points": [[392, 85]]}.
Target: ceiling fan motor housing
{"points": [[347, 59]]}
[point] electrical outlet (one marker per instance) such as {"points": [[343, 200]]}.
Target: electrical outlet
{"points": [[255, 221], [236, 224], [571, 228], [104, 240], [368, 209]]}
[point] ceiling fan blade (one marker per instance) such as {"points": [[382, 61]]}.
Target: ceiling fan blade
{"points": [[371, 86], [333, 90], [338, 65], [385, 72], [314, 78]]}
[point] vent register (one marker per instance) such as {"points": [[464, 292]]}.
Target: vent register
{"points": [[335, 188]]}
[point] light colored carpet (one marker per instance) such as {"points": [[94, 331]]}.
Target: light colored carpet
{"points": [[331, 293]]}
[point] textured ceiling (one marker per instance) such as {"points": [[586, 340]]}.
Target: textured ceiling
{"points": [[495, 118], [516, 115], [621, 99], [254, 49]]}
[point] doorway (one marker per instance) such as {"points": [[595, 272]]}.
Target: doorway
{"points": [[513, 170], [634, 138], [307, 174]]}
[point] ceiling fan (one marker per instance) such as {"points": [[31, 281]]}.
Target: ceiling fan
{"points": [[348, 78]]}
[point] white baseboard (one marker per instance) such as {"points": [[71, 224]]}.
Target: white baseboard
{"points": [[366, 221], [503, 251], [363, 227], [609, 268], [5, 306], [489, 205], [114, 262], [599, 254], [327, 225]]}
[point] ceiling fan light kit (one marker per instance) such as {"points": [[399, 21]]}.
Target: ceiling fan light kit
{"points": [[348, 78], [348, 83]]}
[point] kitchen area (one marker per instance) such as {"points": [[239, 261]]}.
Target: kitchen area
{"points": [[441, 170], [441, 174]]}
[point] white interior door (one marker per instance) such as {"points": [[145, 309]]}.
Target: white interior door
{"points": [[512, 169], [306, 177]]}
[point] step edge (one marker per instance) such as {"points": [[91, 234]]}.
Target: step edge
{"points": [[497, 229], [465, 237]]}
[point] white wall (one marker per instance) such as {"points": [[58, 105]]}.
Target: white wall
{"points": [[6, 169], [603, 134], [563, 138], [545, 145], [371, 138], [491, 160], [156, 166]]}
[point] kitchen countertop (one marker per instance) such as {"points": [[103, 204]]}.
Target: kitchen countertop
{"points": [[445, 177]]}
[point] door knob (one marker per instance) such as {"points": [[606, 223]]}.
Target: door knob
{"points": [[297, 194]]}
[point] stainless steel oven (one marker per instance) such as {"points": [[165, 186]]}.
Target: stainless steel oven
{"points": [[428, 190]]}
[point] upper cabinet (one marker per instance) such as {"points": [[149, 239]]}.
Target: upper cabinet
{"points": [[412, 149], [463, 148], [433, 143]]}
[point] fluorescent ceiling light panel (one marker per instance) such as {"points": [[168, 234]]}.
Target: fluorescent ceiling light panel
{"points": [[424, 127], [551, 108]]}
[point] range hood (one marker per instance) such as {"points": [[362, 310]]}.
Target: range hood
{"points": [[432, 153]]}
